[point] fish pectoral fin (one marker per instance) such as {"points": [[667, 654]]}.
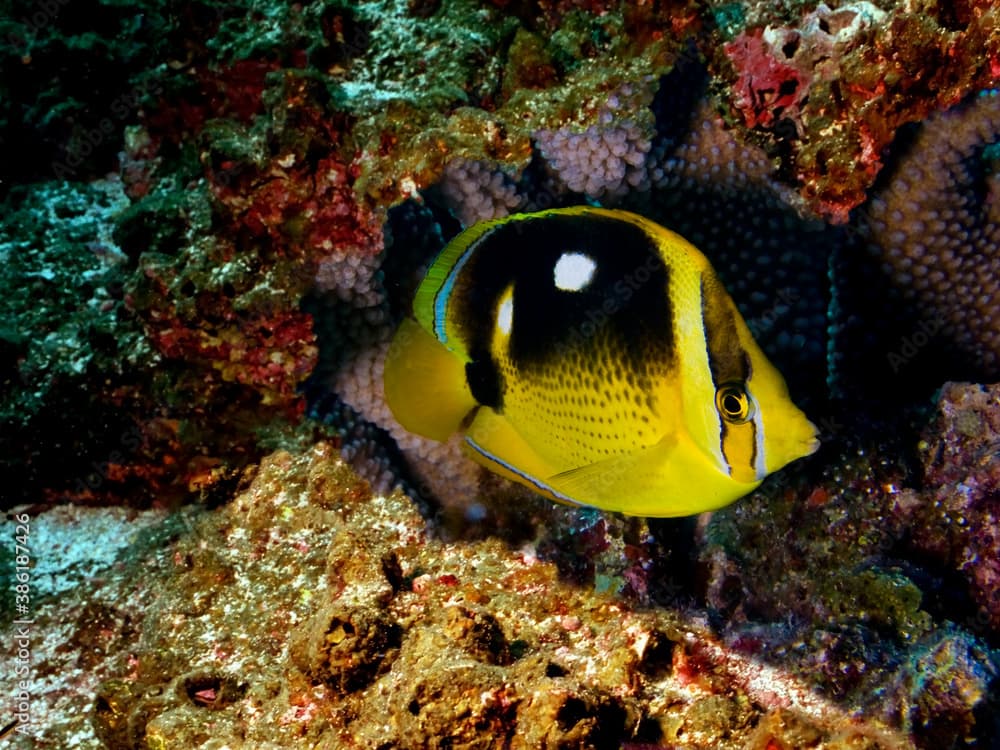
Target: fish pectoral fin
{"points": [[425, 384], [492, 441]]}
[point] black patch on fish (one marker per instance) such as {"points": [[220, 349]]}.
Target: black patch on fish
{"points": [[484, 382], [727, 359], [625, 304]]}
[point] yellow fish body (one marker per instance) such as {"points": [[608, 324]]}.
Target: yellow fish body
{"points": [[595, 357]]}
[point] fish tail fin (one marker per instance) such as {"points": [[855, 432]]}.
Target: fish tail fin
{"points": [[425, 384]]}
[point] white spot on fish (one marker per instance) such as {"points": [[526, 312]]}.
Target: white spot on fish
{"points": [[573, 271], [505, 315]]}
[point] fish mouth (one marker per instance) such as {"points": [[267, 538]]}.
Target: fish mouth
{"points": [[811, 444]]}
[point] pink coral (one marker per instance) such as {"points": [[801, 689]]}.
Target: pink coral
{"points": [[270, 354], [304, 209], [767, 88], [848, 78]]}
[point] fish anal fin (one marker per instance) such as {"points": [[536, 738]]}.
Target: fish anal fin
{"points": [[669, 478], [610, 483], [425, 384]]}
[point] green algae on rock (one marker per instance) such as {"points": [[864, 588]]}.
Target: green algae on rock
{"points": [[61, 289]]}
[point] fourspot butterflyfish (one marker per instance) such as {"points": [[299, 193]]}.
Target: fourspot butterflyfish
{"points": [[595, 357]]}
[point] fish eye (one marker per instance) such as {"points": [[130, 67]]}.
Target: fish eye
{"points": [[734, 403]]}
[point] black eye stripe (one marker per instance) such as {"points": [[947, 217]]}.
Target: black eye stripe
{"points": [[727, 359]]}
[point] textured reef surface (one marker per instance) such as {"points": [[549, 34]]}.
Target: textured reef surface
{"points": [[214, 216], [309, 612]]}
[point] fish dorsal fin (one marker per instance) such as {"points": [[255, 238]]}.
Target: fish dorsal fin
{"points": [[431, 300], [425, 384]]}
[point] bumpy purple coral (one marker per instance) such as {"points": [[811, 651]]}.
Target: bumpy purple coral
{"points": [[442, 470], [935, 228], [477, 191], [606, 160]]}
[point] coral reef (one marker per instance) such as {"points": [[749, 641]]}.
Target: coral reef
{"points": [[935, 230], [260, 161], [475, 192], [841, 573], [953, 517], [309, 612], [205, 253], [65, 323], [845, 79], [56, 123], [94, 574], [605, 160]]}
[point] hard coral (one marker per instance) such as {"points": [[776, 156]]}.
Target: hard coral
{"points": [[606, 159], [406, 148], [847, 79], [200, 305], [954, 518], [476, 192], [226, 261], [935, 229], [778, 65], [768, 88]]}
